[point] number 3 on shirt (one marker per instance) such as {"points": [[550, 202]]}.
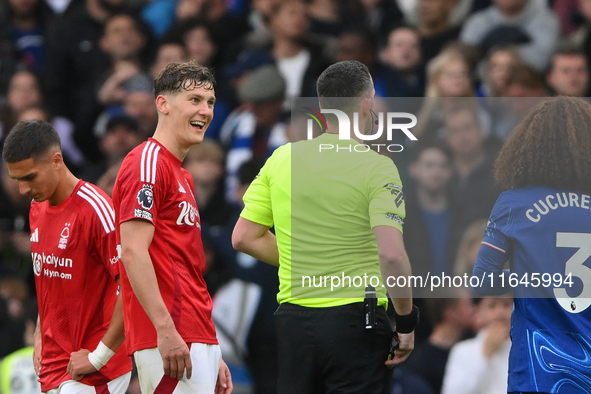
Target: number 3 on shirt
{"points": [[575, 266]]}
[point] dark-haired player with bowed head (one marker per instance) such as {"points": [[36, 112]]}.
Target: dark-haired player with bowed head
{"points": [[166, 304], [542, 225], [75, 262]]}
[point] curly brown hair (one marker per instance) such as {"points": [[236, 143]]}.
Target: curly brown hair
{"points": [[550, 147]]}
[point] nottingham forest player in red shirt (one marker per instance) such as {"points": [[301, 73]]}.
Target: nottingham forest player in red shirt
{"points": [[75, 264], [166, 305]]}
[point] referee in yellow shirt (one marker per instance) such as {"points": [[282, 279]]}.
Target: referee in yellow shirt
{"points": [[338, 216]]}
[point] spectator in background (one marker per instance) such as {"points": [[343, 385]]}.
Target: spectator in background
{"points": [[357, 44], [14, 295], [255, 129], [24, 91], [325, 17], [401, 58], [481, 364], [581, 37], [74, 65], [526, 88], [138, 103], [231, 28], [14, 228], [500, 64], [159, 15], [380, 16], [107, 180], [123, 42], [569, 15], [328, 18], [449, 74], [201, 40], [472, 186], [409, 9], [569, 73], [24, 22], [261, 342], [11, 62], [428, 209], [526, 23], [434, 27], [205, 162], [236, 73], [525, 81], [64, 128], [120, 136], [451, 319], [449, 84], [300, 60], [168, 51], [260, 17], [17, 373]]}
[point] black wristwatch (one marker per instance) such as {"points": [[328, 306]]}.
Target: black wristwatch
{"points": [[406, 324]]}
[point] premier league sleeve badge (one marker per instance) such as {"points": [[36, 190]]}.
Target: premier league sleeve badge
{"points": [[145, 197]]}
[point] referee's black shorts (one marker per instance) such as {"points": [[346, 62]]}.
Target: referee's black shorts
{"points": [[329, 350]]}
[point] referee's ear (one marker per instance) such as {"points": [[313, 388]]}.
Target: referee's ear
{"points": [[365, 106]]}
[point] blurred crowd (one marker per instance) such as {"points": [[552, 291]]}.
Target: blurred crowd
{"points": [[87, 67]]}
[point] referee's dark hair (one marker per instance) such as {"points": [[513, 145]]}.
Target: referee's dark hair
{"points": [[30, 139], [342, 80]]}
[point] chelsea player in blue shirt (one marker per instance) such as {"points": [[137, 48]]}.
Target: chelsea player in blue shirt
{"points": [[542, 226]]}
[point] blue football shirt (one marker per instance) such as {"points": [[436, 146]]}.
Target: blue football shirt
{"points": [[545, 234]]}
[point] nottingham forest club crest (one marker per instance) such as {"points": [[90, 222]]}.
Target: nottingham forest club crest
{"points": [[64, 236], [145, 197]]}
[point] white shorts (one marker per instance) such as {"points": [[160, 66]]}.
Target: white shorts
{"points": [[116, 386], [206, 364]]}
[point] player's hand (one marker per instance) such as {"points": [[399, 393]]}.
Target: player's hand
{"points": [[80, 364], [37, 353], [176, 357], [406, 345], [224, 383]]}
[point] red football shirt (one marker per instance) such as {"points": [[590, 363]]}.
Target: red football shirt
{"points": [[152, 185], [75, 260]]}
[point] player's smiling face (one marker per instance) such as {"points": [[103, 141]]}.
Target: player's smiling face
{"points": [[37, 179], [190, 114]]}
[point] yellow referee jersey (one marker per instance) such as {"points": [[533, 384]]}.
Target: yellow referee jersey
{"points": [[324, 196]]}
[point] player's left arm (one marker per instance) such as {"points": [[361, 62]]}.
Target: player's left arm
{"points": [[256, 240], [495, 249]]}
